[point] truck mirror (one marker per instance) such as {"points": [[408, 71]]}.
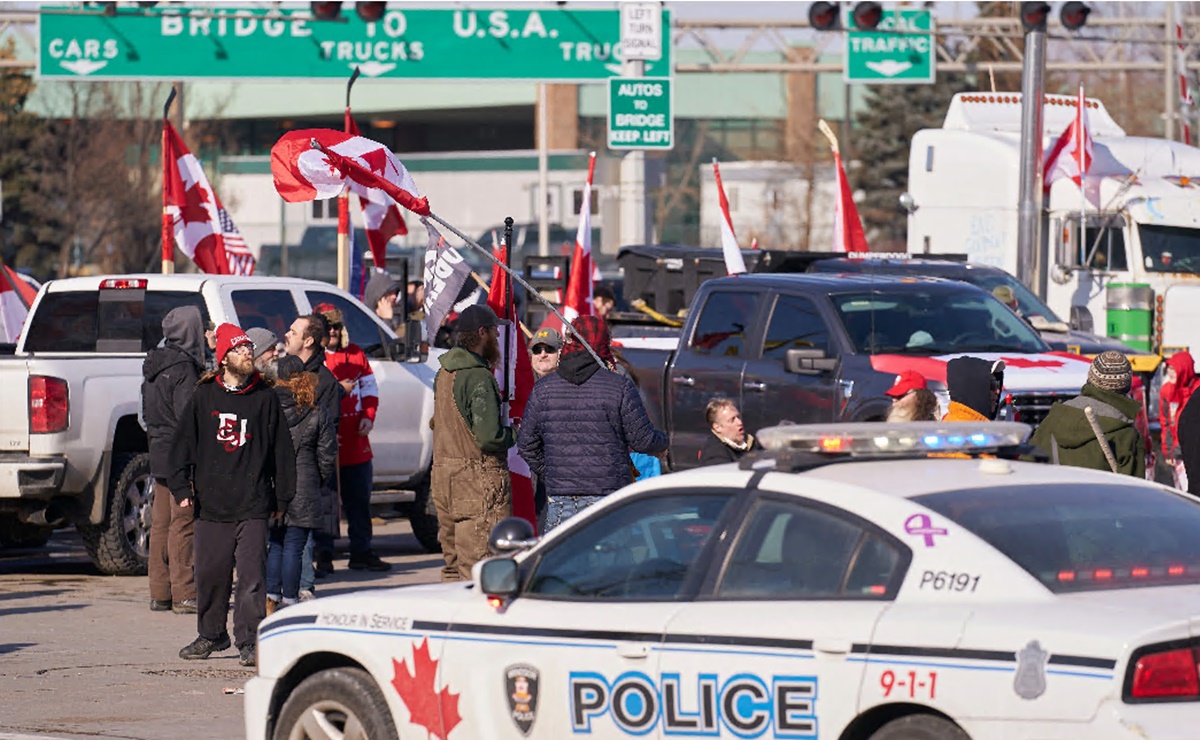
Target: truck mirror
{"points": [[1081, 319], [809, 362], [418, 347]]}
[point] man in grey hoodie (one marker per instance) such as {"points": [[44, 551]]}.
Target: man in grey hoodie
{"points": [[380, 296], [170, 373]]}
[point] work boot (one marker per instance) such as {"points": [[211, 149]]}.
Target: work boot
{"points": [[248, 656], [202, 647], [185, 606], [157, 605], [323, 566], [368, 561], [271, 605]]}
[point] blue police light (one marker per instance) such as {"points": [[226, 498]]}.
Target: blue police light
{"points": [[875, 439]]}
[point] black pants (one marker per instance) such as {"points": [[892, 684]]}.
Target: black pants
{"points": [[356, 505], [218, 545]]}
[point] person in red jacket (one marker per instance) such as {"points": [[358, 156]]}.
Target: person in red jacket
{"points": [[1179, 383], [350, 367]]}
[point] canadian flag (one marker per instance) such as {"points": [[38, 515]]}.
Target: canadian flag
{"points": [[848, 233], [381, 214], [193, 214], [303, 172], [734, 264], [580, 281], [515, 374], [1071, 155], [16, 296]]}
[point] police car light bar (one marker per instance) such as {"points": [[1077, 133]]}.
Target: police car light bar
{"points": [[878, 439]]}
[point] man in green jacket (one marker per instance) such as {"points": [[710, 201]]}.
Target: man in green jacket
{"points": [[470, 485], [1067, 437]]}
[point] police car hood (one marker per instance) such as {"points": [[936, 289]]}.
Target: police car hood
{"points": [[1049, 371]]}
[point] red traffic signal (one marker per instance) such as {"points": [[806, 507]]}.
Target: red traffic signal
{"points": [[370, 12], [1034, 15], [867, 16], [1074, 15], [326, 11], [825, 16]]}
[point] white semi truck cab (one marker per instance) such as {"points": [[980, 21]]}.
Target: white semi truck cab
{"points": [[1135, 274]]}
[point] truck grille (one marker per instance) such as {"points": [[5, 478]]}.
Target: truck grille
{"points": [[1033, 407]]}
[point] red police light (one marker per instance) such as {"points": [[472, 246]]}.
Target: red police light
{"points": [[867, 16], [1074, 15], [370, 12], [1034, 15], [825, 16], [326, 11]]}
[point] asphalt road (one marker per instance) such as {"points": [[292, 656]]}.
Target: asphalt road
{"points": [[82, 656]]}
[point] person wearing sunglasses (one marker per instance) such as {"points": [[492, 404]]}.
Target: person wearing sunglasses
{"points": [[544, 352]]}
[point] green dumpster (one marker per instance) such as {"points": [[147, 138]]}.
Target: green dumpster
{"points": [[1130, 314]]}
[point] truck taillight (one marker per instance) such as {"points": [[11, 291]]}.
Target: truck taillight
{"points": [[1165, 674], [49, 406], [123, 284]]}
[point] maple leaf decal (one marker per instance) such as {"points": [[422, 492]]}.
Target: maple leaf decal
{"points": [[193, 205], [435, 710]]}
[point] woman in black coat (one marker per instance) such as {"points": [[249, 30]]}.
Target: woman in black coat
{"points": [[314, 437]]}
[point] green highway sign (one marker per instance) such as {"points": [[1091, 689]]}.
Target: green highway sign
{"points": [[889, 54], [640, 113], [228, 42]]}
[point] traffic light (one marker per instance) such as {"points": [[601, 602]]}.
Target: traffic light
{"points": [[825, 16], [1034, 15], [326, 11], [370, 12], [867, 16], [1074, 15]]}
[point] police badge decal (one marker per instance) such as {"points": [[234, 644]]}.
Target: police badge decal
{"points": [[521, 686], [1030, 680]]}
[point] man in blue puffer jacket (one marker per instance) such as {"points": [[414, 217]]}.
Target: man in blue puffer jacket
{"points": [[580, 424]]}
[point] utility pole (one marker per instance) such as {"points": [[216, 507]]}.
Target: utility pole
{"points": [[1031, 265], [633, 179], [1171, 80], [543, 198]]}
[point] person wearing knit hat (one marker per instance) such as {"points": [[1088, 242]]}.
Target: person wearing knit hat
{"points": [[266, 351], [1067, 436]]}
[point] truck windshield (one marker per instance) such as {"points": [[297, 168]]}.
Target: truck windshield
{"points": [[1029, 304], [1170, 248], [937, 320]]}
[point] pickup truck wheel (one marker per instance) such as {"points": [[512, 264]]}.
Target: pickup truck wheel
{"points": [[120, 545], [335, 703], [14, 533], [423, 518]]}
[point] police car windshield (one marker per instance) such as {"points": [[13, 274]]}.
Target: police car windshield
{"points": [[1084, 537], [932, 319]]}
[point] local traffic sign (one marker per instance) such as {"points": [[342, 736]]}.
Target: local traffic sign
{"points": [[221, 41], [640, 113], [641, 31], [899, 51]]}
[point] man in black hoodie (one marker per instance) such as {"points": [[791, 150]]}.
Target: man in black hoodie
{"points": [[170, 373], [232, 461]]}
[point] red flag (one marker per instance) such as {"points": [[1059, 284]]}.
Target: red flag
{"points": [[580, 281], [16, 296], [303, 173], [516, 375], [1071, 155], [193, 213], [734, 264], [382, 215], [848, 233]]}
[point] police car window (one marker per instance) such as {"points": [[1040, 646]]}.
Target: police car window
{"points": [[723, 324], [363, 330], [795, 324], [641, 551], [270, 309], [1076, 537], [792, 551]]}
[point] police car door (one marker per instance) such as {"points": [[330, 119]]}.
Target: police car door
{"points": [[769, 647], [576, 652]]}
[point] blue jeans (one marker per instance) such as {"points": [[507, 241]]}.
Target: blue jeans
{"points": [[357, 481], [285, 552], [561, 508], [308, 575]]}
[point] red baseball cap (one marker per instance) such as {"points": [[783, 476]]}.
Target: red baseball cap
{"points": [[909, 380], [228, 337]]}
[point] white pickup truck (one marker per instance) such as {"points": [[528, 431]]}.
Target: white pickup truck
{"points": [[72, 450]]}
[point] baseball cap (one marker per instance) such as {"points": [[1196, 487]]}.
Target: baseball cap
{"points": [[909, 380], [478, 316], [263, 340], [228, 337], [549, 337]]}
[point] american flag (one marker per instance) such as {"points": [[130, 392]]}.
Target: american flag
{"points": [[241, 259]]}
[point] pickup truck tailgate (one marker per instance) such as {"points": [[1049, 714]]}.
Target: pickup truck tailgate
{"points": [[14, 390]]}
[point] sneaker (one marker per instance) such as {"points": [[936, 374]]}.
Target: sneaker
{"points": [[272, 605], [248, 656], [160, 606], [307, 596], [368, 561], [323, 566], [186, 606], [202, 647]]}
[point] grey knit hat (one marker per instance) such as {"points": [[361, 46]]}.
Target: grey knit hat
{"points": [[1111, 371], [263, 339]]}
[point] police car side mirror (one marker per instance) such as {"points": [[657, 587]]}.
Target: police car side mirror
{"points": [[499, 577], [809, 362]]}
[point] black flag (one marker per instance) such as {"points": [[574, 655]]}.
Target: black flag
{"points": [[445, 273]]}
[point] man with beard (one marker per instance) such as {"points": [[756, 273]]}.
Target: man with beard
{"points": [[266, 352], [470, 484], [231, 461], [305, 339]]}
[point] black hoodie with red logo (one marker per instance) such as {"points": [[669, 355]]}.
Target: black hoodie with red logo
{"points": [[232, 452]]}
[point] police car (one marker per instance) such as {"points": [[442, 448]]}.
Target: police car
{"points": [[852, 582]]}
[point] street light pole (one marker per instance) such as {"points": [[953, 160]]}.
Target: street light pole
{"points": [[1031, 263]]}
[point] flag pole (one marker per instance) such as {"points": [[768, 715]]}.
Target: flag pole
{"points": [[508, 303], [343, 203], [1079, 161], [520, 281], [168, 238]]}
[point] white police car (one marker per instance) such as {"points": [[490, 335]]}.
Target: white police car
{"points": [[842, 586]]}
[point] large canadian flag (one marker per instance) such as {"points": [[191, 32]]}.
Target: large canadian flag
{"points": [[381, 214], [194, 217], [1071, 155], [16, 296], [734, 264], [515, 375], [579, 283]]}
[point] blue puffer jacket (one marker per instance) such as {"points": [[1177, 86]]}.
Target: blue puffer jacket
{"points": [[579, 426]]}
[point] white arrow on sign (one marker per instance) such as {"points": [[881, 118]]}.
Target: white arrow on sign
{"points": [[374, 69], [889, 67], [83, 66]]}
